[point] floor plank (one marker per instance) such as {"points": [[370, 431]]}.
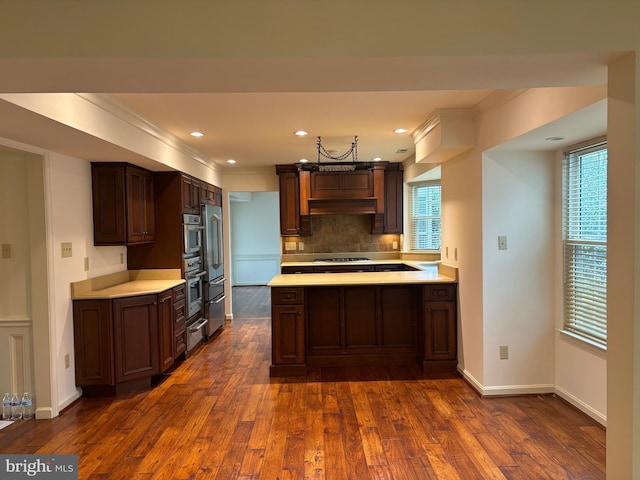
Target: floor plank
{"points": [[218, 415]]}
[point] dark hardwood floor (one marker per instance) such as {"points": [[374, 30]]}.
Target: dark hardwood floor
{"points": [[218, 415]]}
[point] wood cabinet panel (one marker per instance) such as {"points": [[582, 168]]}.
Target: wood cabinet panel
{"points": [[109, 217], [393, 201], [440, 331], [289, 204], [93, 342], [135, 326], [325, 332], [288, 334], [167, 342], [140, 205], [360, 318], [355, 184], [398, 310]]}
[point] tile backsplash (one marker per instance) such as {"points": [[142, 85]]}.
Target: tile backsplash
{"points": [[341, 233]]}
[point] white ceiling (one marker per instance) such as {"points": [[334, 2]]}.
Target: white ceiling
{"points": [[249, 109]]}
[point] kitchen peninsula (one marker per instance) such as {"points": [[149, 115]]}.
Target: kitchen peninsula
{"points": [[388, 312]]}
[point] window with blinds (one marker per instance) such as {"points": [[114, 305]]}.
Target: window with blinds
{"points": [[425, 209], [585, 242]]}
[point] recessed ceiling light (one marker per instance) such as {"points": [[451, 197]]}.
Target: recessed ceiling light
{"points": [[400, 130], [197, 134], [303, 160], [300, 133], [231, 161], [554, 139]]}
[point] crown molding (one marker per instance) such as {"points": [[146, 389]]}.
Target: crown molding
{"points": [[113, 107]]}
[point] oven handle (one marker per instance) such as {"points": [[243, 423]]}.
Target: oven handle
{"points": [[193, 276], [218, 282], [218, 300], [197, 326]]}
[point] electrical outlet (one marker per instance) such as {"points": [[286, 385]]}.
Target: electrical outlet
{"points": [[455, 254], [300, 246], [502, 242], [395, 245], [504, 352], [446, 252], [121, 258], [86, 264], [6, 250], [66, 361], [66, 249]]}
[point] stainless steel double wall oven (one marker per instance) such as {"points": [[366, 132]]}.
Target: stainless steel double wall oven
{"points": [[204, 273]]}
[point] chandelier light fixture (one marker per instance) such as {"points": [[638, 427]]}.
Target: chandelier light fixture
{"points": [[323, 153]]}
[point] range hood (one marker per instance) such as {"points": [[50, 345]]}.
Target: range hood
{"points": [[359, 191]]}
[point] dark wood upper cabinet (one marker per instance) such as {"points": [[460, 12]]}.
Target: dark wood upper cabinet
{"points": [[123, 204], [174, 196], [289, 201], [190, 195], [393, 194], [376, 190]]}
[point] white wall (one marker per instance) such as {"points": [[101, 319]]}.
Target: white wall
{"points": [[481, 194], [15, 276], [70, 207], [55, 190], [255, 238], [519, 289]]}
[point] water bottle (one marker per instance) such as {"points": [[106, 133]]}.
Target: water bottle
{"points": [[27, 406], [6, 407], [16, 407]]}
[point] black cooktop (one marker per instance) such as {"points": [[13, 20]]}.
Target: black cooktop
{"points": [[342, 259]]}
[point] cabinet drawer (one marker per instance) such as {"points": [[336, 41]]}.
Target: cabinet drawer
{"points": [[179, 293], [287, 296], [181, 341], [180, 310], [439, 292]]}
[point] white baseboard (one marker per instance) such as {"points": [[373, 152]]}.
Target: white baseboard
{"points": [[69, 400], [533, 390], [44, 413], [583, 407]]}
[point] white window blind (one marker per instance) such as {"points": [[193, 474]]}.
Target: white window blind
{"points": [[425, 210], [585, 242]]}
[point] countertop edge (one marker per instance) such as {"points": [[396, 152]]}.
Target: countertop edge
{"points": [[130, 286]]}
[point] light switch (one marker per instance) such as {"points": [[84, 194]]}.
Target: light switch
{"points": [[6, 250], [289, 245], [66, 249], [502, 242]]}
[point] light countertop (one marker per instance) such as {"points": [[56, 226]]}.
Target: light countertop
{"points": [[430, 272], [126, 284]]}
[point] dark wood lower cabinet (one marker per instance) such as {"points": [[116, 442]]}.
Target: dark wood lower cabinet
{"points": [[439, 336], [364, 325], [123, 343], [93, 342], [135, 328], [287, 332]]}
